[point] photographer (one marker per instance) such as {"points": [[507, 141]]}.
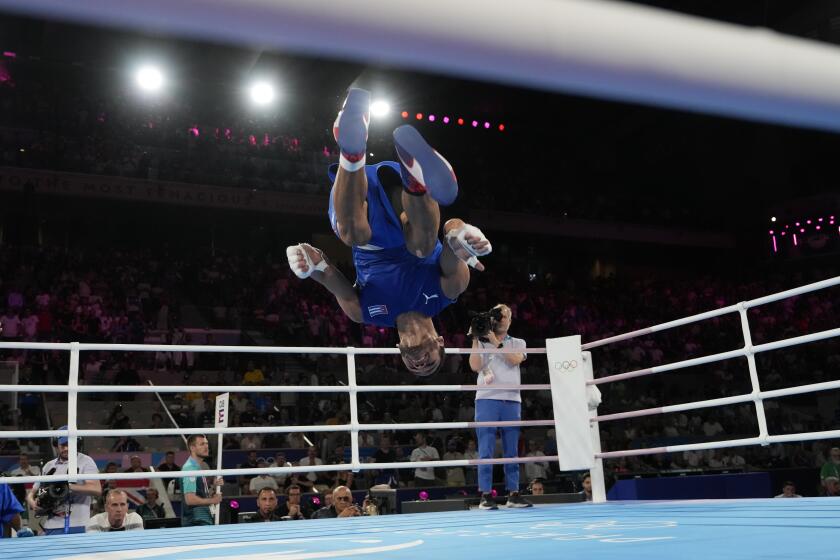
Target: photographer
{"points": [[490, 330], [65, 506]]}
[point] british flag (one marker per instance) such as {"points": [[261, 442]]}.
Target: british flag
{"points": [[374, 310]]}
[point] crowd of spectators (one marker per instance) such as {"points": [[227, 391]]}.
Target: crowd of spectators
{"points": [[122, 296]]}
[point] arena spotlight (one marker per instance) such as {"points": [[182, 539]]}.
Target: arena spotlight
{"points": [[380, 108], [149, 78], [262, 93]]}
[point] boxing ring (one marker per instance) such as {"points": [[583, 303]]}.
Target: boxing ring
{"points": [[732, 529]]}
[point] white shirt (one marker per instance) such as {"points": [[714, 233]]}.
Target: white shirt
{"points": [[305, 462], [79, 503], [31, 470], [503, 373], [536, 470], [262, 481], [425, 453], [281, 478], [99, 523]]}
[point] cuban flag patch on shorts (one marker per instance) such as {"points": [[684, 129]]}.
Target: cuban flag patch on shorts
{"points": [[374, 310]]}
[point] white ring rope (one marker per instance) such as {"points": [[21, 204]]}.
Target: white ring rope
{"points": [[757, 396], [604, 49]]}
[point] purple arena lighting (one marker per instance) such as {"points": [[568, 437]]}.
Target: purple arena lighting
{"points": [[475, 124], [316, 500], [775, 247], [432, 118], [234, 504], [423, 495], [486, 124], [445, 120], [494, 493]]}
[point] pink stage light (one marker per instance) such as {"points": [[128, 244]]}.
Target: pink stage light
{"points": [[794, 240], [486, 124], [445, 120], [475, 124], [819, 227], [771, 232], [432, 118], [775, 247]]}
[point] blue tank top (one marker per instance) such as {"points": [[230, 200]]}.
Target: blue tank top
{"points": [[389, 279]]}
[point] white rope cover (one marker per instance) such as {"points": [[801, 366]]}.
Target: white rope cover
{"points": [[592, 47]]}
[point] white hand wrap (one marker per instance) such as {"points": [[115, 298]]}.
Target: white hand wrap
{"points": [[294, 252], [456, 239]]}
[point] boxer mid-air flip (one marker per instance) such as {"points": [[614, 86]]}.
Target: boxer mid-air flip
{"points": [[404, 275]]}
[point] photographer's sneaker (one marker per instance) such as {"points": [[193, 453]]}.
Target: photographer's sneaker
{"points": [[351, 129], [516, 501], [422, 168], [487, 502]]}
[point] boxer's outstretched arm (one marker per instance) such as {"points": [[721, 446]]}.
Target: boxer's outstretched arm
{"points": [[338, 285], [329, 277]]}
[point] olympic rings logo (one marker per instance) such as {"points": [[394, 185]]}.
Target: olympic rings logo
{"points": [[566, 365]]}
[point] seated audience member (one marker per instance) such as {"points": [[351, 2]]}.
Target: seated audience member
{"points": [[266, 507], [245, 479], [343, 505], [151, 509], [537, 488], [280, 461], [262, 480], [831, 486], [587, 488], [293, 509], [136, 465], [788, 491], [116, 516], [830, 469]]}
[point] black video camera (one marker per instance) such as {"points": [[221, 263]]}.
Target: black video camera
{"points": [[482, 323], [52, 495]]}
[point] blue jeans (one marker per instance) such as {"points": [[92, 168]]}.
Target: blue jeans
{"points": [[489, 410]]}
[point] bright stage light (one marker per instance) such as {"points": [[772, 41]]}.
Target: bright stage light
{"points": [[262, 93], [380, 108], [149, 78]]}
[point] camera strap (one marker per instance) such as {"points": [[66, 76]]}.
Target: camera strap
{"points": [[67, 517]]}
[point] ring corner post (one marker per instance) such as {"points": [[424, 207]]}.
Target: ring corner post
{"points": [[566, 369], [596, 473], [72, 407], [354, 410]]}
